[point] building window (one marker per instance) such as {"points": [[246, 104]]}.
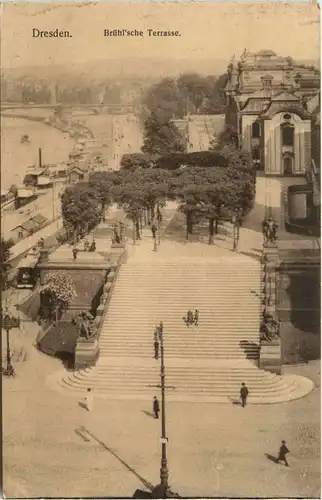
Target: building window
{"points": [[256, 130], [287, 135]]}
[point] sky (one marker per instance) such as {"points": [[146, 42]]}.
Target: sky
{"points": [[208, 30]]}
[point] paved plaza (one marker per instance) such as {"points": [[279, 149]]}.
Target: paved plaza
{"points": [[214, 450]]}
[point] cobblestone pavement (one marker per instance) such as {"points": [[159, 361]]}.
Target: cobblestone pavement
{"points": [[214, 450]]}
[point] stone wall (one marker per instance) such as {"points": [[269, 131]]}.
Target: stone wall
{"points": [[299, 310]]}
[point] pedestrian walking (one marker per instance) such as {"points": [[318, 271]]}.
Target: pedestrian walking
{"points": [[282, 453], [89, 400], [156, 407], [243, 394], [154, 230], [196, 317], [189, 317], [156, 349], [75, 252]]}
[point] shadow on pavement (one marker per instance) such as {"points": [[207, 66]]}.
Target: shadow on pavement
{"points": [[271, 458], [235, 402], [148, 413], [85, 432]]}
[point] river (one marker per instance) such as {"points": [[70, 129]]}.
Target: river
{"points": [[16, 157]]}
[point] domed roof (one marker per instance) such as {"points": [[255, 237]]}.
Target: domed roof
{"points": [[266, 53]]}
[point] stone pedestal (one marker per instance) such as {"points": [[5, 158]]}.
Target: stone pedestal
{"points": [[86, 353], [270, 357]]}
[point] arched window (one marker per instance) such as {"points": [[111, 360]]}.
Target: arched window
{"points": [[287, 135], [256, 129]]}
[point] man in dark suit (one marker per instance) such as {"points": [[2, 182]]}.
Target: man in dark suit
{"points": [[282, 453], [243, 394], [156, 407]]}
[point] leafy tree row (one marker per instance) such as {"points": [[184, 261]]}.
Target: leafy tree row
{"points": [[201, 191]]}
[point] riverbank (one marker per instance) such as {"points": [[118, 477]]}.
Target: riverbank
{"points": [[16, 157]]}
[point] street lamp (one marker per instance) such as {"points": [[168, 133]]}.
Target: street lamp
{"points": [[154, 235], [159, 219], [7, 323], [162, 490], [164, 473], [235, 219]]}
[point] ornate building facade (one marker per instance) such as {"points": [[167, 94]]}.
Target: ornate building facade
{"points": [[268, 105]]}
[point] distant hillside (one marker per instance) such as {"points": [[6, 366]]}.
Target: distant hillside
{"points": [[124, 69], [119, 68]]}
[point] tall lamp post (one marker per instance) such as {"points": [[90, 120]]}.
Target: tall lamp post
{"points": [[164, 473], [154, 235], [159, 219], [7, 323], [235, 219], [162, 490]]}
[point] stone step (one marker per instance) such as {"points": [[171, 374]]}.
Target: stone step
{"points": [[131, 340], [177, 320], [192, 355], [183, 342], [221, 385], [178, 312], [211, 351]]}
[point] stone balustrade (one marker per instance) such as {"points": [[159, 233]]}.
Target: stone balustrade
{"points": [[87, 350], [270, 357]]}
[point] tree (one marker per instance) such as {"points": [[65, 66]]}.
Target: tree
{"points": [[190, 204], [100, 182], [227, 137], [130, 198], [194, 89], [163, 100], [4, 257], [133, 161], [155, 184], [57, 293], [161, 137], [81, 208]]}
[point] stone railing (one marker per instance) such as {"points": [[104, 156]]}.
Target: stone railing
{"points": [[87, 350], [270, 358], [298, 226]]}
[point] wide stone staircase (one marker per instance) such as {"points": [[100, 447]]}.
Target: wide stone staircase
{"points": [[207, 362]]}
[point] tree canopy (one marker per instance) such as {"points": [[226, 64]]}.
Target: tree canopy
{"points": [[81, 207], [57, 292], [189, 93], [161, 136]]}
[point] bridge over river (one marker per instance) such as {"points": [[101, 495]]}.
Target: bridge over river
{"points": [[46, 110]]}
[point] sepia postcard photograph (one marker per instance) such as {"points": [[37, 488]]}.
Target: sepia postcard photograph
{"points": [[160, 249]]}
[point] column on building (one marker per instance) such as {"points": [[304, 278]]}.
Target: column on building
{"points": [[302, 146], [247, 121], [307, 145], [272, 141]]}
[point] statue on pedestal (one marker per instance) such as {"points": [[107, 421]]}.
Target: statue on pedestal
{"points": [[84, 321], [269, 227], [270, 328]]}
